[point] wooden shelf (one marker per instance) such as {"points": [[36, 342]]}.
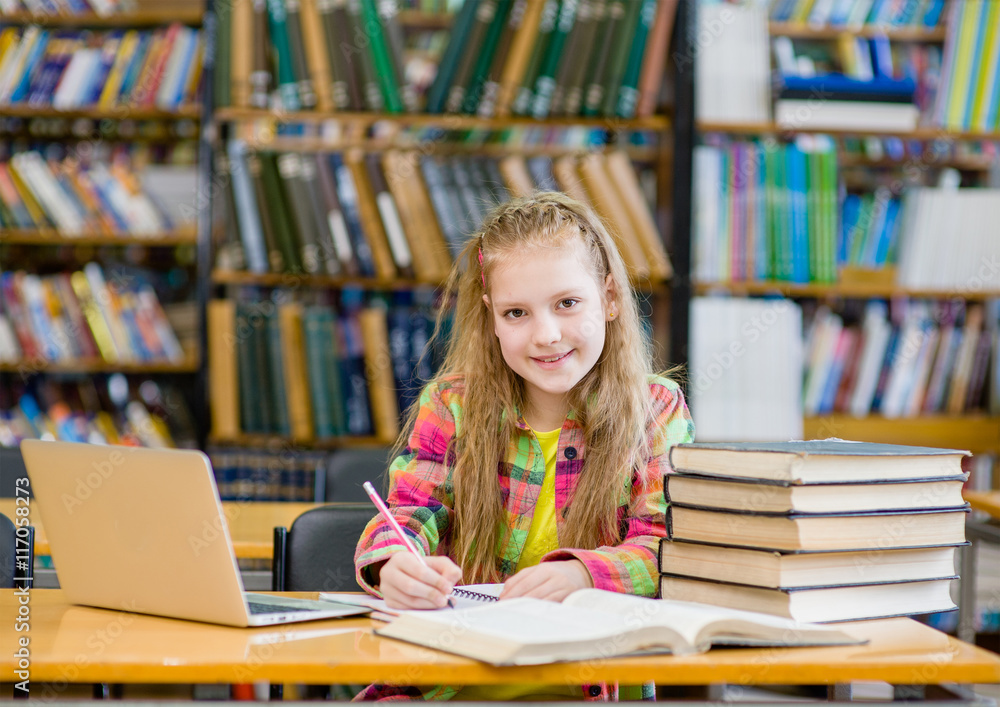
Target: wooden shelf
{"points": [[924, 134], [898, 34], [965, 164], [141, 18], [978, 433], [312, 145], [49, 237], [28, 367], [417, 19], [189, 112], [230, 277], [266, 441], [656, 123], [858, 289]]}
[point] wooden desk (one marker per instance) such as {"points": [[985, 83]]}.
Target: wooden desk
{"points": [[251, 524], [84, 645], [976, 532]]}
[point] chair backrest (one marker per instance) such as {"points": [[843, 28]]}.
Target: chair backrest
{"points": [[348, 468], [317, 553]]}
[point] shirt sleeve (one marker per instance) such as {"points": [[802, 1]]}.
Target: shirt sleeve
{"points": [[631, 566], [421, 496]]}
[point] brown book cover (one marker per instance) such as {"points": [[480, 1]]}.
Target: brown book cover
{"points": [[222, 369], [242, 52], [516, 176], [568, 179], [378, 368], [397, 181], [623, 177], [518, 57], [388, 209], [371, 222], [605, 200], [316, 54], [409, 163], [655, 59], [296, 381]]}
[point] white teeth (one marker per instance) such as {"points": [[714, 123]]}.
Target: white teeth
{"points": [[550, 360]]}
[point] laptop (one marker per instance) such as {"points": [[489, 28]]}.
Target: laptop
{"points": [[143, 530]]}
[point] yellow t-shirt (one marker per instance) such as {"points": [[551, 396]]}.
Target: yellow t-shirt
{"points": [[542, 539]]}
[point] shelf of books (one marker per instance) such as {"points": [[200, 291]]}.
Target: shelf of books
{"points": [[99, 319], [843, 218], [354, 178]]}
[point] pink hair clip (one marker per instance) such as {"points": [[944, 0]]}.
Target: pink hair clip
{"points": [[481, 273]]}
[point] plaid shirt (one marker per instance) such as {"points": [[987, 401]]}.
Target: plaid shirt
{"points": [[421, 495]]}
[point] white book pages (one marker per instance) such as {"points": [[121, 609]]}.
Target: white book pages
{"points": [[707, 166], [876, 337]]}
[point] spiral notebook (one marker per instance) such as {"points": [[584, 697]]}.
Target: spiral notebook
{"points": [[465, 597]]}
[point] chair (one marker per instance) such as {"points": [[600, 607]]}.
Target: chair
{"points": [[16, 569], [317, 554], [347, 469]]}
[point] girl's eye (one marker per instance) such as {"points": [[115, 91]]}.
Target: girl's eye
{"points": [[514, 313], [567, 303]]}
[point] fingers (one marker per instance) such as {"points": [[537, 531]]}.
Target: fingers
{"points": [[407, 583]]}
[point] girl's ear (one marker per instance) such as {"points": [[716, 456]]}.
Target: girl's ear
{"points": [[609, 297], [486, 301]]}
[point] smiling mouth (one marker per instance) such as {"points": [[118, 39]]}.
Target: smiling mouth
{"points": [[553, 359]]}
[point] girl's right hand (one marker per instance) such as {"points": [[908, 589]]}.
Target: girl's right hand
{"points": [[406, 583]]}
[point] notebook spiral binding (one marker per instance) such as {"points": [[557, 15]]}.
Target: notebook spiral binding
{"points": [[474, 596]]}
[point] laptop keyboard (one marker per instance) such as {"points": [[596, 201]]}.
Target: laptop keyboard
{"points": [[257, 608]]}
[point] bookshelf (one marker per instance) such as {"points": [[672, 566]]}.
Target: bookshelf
{"points": [[450, 140], [902, 167], [99, 315]]}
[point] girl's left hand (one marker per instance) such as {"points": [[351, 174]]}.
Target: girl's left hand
{"points": [[548, 580]]}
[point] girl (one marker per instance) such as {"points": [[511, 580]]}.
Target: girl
{"points": [[536, 457]]}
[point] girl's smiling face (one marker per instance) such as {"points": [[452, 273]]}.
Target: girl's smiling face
{"points": [[549, 314]]}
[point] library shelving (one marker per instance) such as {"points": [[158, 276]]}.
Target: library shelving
{"points": [[500, 151], [949, 82], [99, 319]]}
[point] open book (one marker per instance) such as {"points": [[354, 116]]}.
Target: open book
{"points": [[592, 623]]}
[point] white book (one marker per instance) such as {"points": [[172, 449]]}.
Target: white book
{"points": [[877, 331], [912, 339], [794, 113], [59, 206], [707, 168], [822, 353], [922, 372], [168, 339], [172, 72], [68, 93], [394, 230], [10, 350], [859, 14], [247, 214]]}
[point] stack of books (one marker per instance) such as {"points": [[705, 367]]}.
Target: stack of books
{"points": [[822, 530]]}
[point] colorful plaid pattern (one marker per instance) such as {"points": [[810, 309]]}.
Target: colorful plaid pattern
{"points": [[421, 495]]}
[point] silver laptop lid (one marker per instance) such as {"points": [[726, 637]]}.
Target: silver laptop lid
{"points": [[137, 529]]}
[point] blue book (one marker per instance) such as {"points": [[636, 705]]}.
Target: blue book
{"points": [[979, 64], [438, 92], [348, 195], [247, 209], [839, 83], [796, 172], [32, 65], [849, 219], [933, 13], [112, 43], [134, 66], [888, 235], [993, 114], [881, 52]]}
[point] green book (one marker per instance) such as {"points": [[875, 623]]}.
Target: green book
{"points": [[276, 380], [261, 371], [593, 95], [288, 88], [275, 256], [814, 215], [523, 99], [589, 20], [828, 172], [303, 81], [223, 55], [381, 58], [628, 92], [281, 218], [315, 344], [491, 86], [619, 57], [486, 11], [247, 373], [575, 46], [437, 94], [331, 363], [360, 59], [338, 73], [545, 83], [474, 89]]}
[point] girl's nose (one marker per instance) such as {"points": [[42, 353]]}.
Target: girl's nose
{"points": [[546, 331]]}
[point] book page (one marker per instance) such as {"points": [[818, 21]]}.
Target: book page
{"points": [[460, 602]]}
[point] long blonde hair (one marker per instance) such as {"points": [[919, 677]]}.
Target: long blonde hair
{"points": [[612, 401]]}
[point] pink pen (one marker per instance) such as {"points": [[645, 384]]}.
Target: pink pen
{"points": [[403, 537]]}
